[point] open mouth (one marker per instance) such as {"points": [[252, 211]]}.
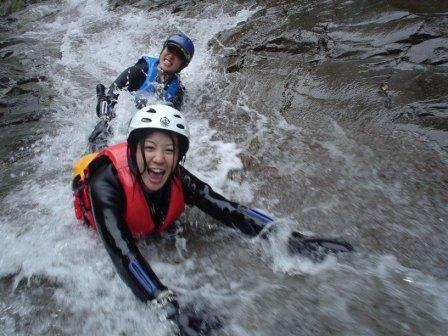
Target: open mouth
{"points": [[167, 62], [155, 175]]}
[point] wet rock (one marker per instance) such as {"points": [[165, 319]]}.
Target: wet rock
{"points": [[434, 51], [387, 17], [183, 6], [10, 6], [345, 51], [30, 117], [22, 98], [397, 33], [429, 118], [4, 81], [426, 32], [25, 86], [291, 42], [431, 108], [3, 109], [176, 5], [392, 49], [16, 91], [300, 59], [31, 80], [248, 161], [5, 54], [235, 63], [7, 42], [118, 3], [427, 6]]}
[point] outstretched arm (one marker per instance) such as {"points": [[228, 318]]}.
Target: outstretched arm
{"points": [[200, 194], [251, 221], [108, 208]]}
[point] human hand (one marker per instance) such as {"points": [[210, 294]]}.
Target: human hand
{"points": [[195, 321], [104, 108]]}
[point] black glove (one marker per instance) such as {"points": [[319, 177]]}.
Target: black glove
{"points": [[141, 103], [104, 108], [100, 134], [190, 321], [197, 322], [314, 247]]}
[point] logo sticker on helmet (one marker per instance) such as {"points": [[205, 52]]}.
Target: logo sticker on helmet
{"points": [[164, 121]]}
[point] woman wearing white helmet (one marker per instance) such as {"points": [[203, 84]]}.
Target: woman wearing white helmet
{"points": [[138, 188]]}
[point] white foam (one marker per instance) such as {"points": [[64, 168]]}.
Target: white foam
{"points": [[38, 231]]}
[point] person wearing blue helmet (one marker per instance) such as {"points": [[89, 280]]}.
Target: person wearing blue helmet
{"points": [[152, 77]]}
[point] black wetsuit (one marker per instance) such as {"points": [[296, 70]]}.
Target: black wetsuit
{"points": [[132, 79], [108, 204]]}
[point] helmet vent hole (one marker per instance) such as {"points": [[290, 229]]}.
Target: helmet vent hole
{"points": [[178, 116], [146, 120], [180, 126], [151, 110]]}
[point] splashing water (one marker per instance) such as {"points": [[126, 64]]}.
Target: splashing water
{"points": [[58, 279]]}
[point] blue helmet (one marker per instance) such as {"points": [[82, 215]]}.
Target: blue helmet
{"points": [[183, 43]]}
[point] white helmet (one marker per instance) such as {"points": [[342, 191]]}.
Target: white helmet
{"points": [[161, 117]]}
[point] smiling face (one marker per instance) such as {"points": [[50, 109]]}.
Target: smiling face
{"points": [[170, 60], [161, 156]]}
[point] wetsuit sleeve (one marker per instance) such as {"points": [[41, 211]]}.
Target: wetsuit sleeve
{"points": [[108, 208], [230, 213], [131, 79]]}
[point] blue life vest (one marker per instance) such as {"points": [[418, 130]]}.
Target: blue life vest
{"points": [[148, 86]]}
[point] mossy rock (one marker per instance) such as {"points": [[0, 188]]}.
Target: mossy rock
{"points": [[10, 6]]}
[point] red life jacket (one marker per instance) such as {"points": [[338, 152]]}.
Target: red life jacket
{"points": [[137, 213]]}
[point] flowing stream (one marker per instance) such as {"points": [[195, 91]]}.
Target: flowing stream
{"points": [[329, 115]]}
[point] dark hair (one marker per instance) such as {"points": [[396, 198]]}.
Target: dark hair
{"points": [[136, 142]]}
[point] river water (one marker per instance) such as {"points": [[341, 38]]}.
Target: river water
{"points": [[331, 115]]}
